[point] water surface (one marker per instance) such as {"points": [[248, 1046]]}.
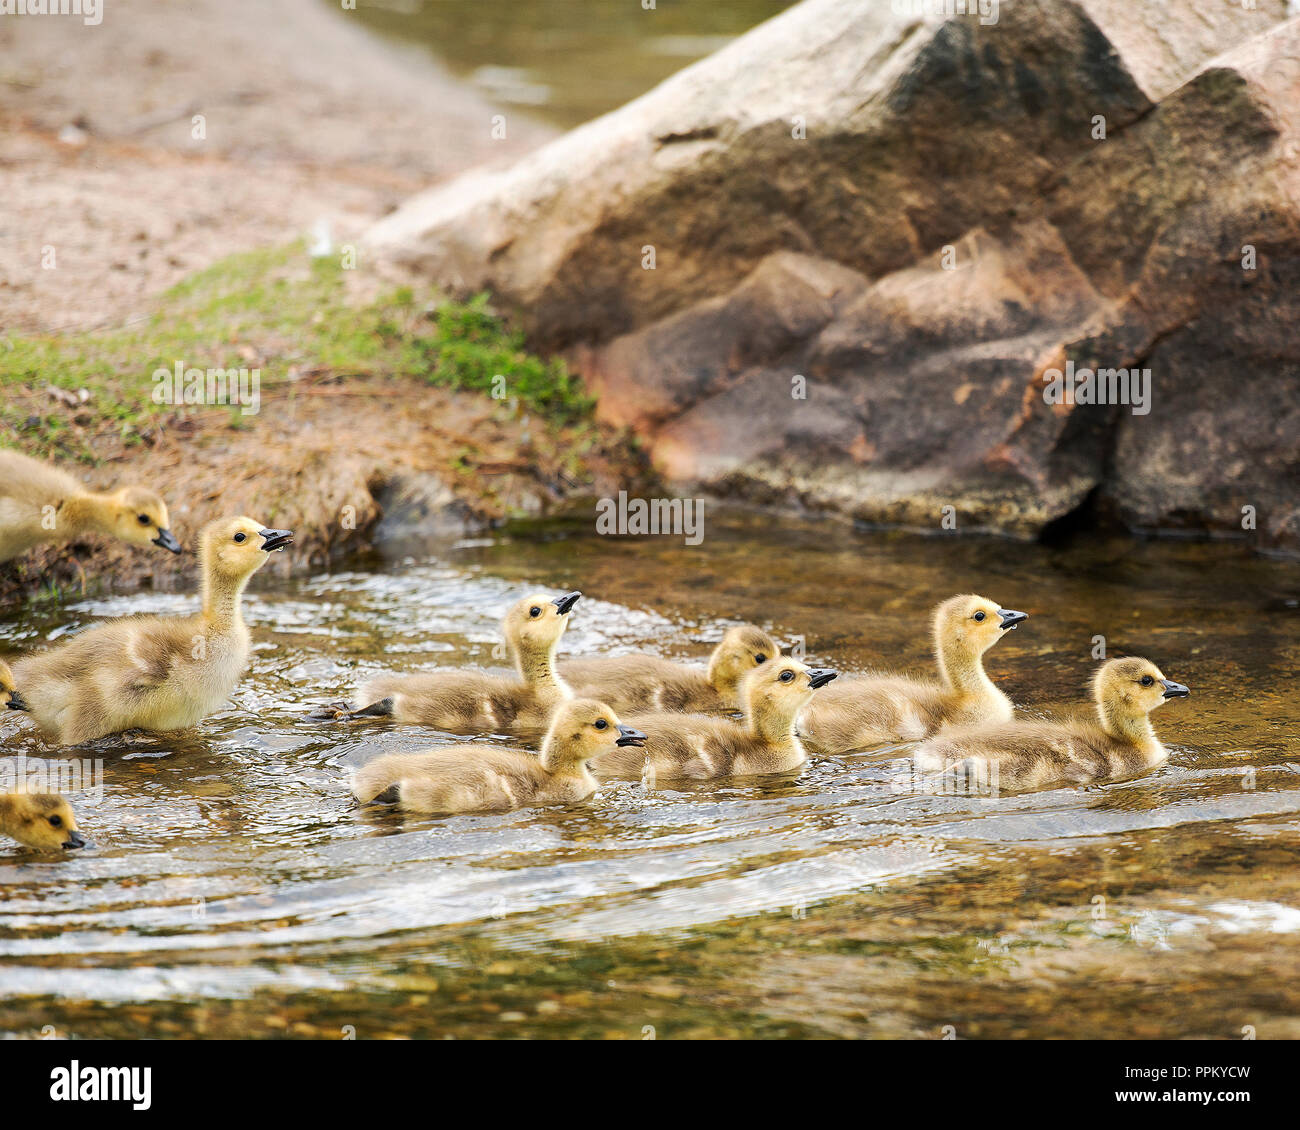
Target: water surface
{"points": [[566, 61], [235, 890]]}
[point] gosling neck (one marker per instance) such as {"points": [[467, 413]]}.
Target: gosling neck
{"points": [[723, 680], [962, 670], [221, 598], [772, 724], [537, 669], [1125, 726], [87, 512]]}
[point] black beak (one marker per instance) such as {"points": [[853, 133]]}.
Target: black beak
{"points": [[275, 539], [16, 701], [629, 736], [566, 602], [75, 840], [1010, 619], [820, 676], [167, 540], [1174, 690]]}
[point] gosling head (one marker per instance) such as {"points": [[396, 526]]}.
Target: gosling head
{"points": [[742, 649], [44, 821], [534, 625], [776, 692], [969, 625], [1132, 687], [582, 729], [234, 549], [139, 515]]}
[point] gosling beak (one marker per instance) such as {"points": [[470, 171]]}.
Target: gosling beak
{"points": [[16, 701], [629, 736], [75, 840], [820, 676], [1010, 619], [1174, 690], [566, 602], [167, 540], [275, 539]]}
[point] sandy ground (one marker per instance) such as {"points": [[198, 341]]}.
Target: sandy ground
{"points": [[307, 118]]}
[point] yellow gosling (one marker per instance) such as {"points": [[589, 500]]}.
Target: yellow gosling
{"points": [[700, 746], [476, 778], [866, 710], [648, 682], [40, 503], [1023, 755], [152, 672]]}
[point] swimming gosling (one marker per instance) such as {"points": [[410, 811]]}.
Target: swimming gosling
{"points": [[648, 682], [474, 702], [44, 821], [154, 672], [1017, 756], [866, 710], [476, 778], [39, 503], [700, 746]]}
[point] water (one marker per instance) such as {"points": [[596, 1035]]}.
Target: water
{"points": [[235, 890], [566, 61]]}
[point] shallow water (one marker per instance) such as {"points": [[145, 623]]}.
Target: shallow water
{"points": [[235, 890], [565, 61]]}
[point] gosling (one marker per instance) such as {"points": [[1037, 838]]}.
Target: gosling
{"points": [[867, 710], [44, 821], [474, 702], [700, 747], [40, 503], [648, 682], [151, 672], [476, 778], [1018, 756]]}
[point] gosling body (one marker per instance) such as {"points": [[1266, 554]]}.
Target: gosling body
{"points": [[39, 504], [151, 672], [650, 683], [475, 702], [700, 747], [1024, 755], [475, 778], [44, 821], [866, 710]]}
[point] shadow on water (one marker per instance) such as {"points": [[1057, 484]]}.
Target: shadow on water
{"points": [[235, 890]]}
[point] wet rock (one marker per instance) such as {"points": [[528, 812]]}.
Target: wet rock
{"points": [[420, 506], [836, 263]]}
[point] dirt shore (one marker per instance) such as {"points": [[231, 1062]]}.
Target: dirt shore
{"points": [[307, 118], [310, 123]]}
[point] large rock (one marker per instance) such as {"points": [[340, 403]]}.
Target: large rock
{"points": [[874, 234]]}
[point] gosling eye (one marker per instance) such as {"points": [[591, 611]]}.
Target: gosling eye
{"points": [[979, 616], [1146, 680], [601, 724], [143, 519], [787, 676], [534, 611], [241, 537], [760, 658], [56, 821]]}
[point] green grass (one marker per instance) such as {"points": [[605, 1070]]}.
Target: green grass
{"points": [[288, 312]]}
